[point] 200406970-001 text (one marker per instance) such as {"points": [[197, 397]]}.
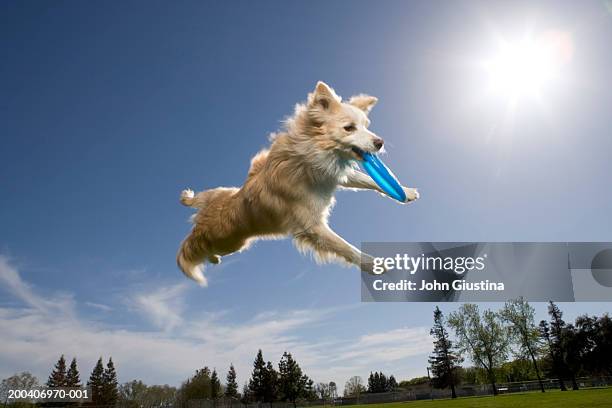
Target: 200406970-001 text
{"points": [[47, 394]]}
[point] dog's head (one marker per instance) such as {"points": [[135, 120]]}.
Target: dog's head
{"points": [[342, 126]]}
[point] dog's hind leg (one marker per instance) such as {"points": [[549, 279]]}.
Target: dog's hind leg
{"points": [[326, 244], [192, 254], [190, 199]]}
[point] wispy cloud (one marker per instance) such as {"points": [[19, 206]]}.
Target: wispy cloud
{"points": [[176, 345], [162, 307], [18, 288], [99, 306]]}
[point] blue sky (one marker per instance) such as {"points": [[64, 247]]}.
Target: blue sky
{"points": [[110, 109]]}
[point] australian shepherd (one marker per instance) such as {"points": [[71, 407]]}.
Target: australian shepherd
{"points": [[289, 189]]}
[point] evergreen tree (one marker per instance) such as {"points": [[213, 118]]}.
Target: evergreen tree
{"points": [[96, 383], [58, 375], [245, 398], [110, 391], [72, 377], [215, 385], [391, 383], [559, 342], [270, 385], [309, 389], [258, 378], [231, 386], [292, 382], [382, 383], [444, 359]]}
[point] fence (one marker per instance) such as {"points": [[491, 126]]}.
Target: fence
{"points": [[425, 391], [420, 392]]}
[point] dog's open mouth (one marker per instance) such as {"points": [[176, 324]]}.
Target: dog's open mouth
{"points": [[357, 152]]}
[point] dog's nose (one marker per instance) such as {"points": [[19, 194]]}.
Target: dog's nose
{"points": [[378, 143]]}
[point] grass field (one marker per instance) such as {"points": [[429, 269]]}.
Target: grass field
{"points": [[589, 398]]}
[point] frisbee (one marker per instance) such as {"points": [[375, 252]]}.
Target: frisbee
{"points": [[381, 174]]}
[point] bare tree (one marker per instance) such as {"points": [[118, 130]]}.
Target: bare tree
{"points": [[23, 380], [354, 387]]}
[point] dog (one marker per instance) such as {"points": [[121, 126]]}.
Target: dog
{"points": [[289, 189]]}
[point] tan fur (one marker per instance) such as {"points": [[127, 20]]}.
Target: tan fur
{"points": [[289, 190]]}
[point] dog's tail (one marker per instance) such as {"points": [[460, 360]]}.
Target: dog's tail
{"points": [[190, 259]]}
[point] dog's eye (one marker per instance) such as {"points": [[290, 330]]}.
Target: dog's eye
{"points": [[350, 128]]}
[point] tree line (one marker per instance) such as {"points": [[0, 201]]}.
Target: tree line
{"points": [[267, 383], [548, 349], [102, 381], [553, 348]]}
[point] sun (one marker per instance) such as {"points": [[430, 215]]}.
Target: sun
{"points": [[527, 66]]}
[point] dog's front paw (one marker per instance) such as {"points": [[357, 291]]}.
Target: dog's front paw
{"points": [[369, 265], [412, 194], [214, 259], [187, 196]]}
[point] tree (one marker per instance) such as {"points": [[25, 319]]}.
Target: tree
{"points": [[444, 359], [72, 376], [354, 387], [245, 398], [231, 386], [133, 394], [310, 393], [322, 391], [270, 384], [555, 358], [258, 378], [215, 385], [559, 344], [333, 390], [58, 375], [484, 338], [22, 381], [292, 382], [596, 335], [391, 383], [414, 381], [520, 316], [136, 394], [96, 383], [263, 386], [575, 346], [110, 391], [198, 386]]}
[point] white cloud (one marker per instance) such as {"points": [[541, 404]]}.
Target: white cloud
{"points": [[161, 307], [12, 282], [32, 338], [99, 306]]}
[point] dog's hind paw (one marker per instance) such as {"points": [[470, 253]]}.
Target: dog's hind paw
{"points": [[187, 196], [214, 259]]}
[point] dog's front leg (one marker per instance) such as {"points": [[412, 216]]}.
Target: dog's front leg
{"points": [[359, 180], [325, 243]]}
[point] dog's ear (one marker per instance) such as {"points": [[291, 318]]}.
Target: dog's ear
{"points": [[363, 102], [324, 97]]}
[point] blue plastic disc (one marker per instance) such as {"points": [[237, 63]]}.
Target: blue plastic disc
{"points": [[385, 179]]}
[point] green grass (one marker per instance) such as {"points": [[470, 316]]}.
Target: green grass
{"points": [[589, 398]]}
